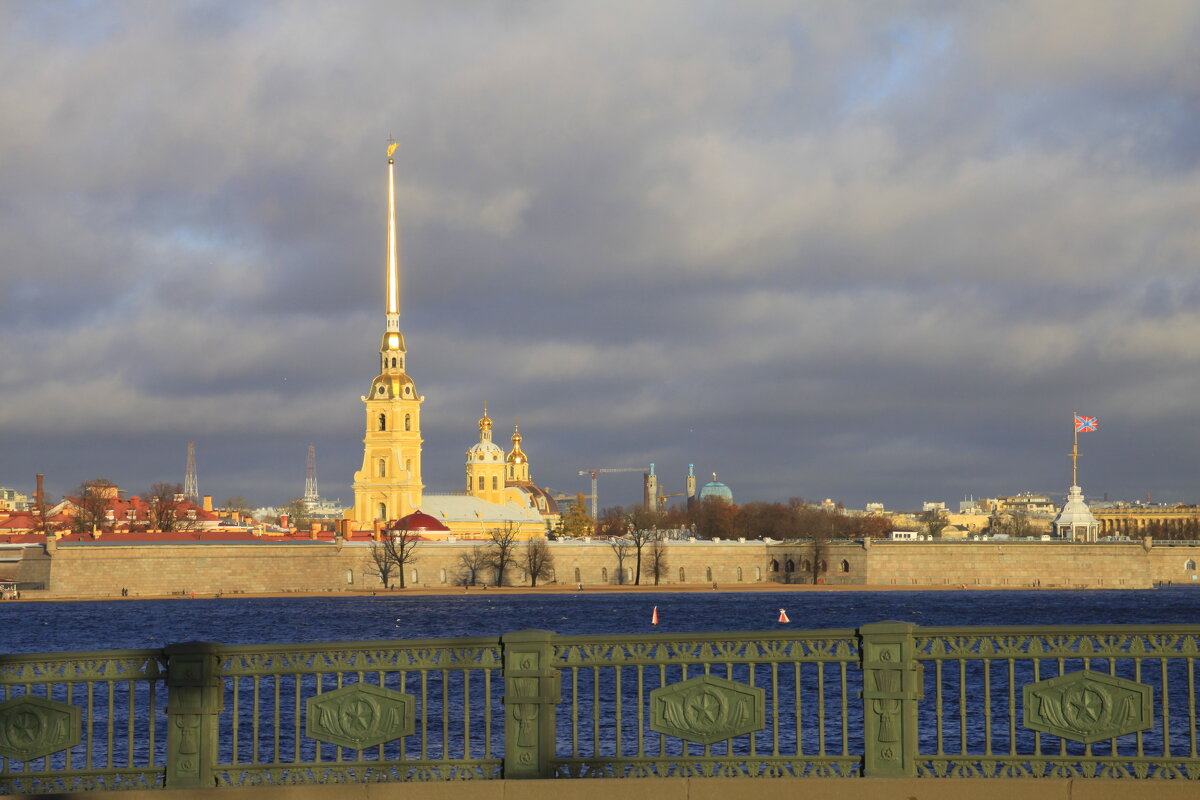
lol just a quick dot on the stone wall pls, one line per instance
(103, 570)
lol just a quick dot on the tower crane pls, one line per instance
(595, 473)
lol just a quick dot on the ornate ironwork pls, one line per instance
(32, 727)
(1088, 706)
(707, 709)
(360, 716)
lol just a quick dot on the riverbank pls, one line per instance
(553, 589)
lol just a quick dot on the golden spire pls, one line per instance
(393, 259)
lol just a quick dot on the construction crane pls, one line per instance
(595, 473)
(663, 498)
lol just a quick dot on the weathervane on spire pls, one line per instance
(392, 145)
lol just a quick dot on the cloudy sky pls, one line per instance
(873, 252)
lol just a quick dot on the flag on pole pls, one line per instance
(1085, 424)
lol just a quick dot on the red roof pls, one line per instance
(417, 521)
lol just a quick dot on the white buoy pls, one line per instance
(783, 617)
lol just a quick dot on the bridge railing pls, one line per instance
(888, 699)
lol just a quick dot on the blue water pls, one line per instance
(45, 627)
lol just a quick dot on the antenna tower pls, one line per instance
(191, 490)
(310, 485)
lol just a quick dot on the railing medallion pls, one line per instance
(707, 709)
(361, 715)
(32, 727)
(1088, 706)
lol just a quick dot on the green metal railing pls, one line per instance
(889, 699)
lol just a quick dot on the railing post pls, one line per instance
(531, 690)
(194, 699)
(891, 688)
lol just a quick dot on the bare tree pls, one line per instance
(379, 562)
(537, 561)
(622, 549)
(399, 546)
(167, 509)
(656, 563)
(91, 500)
(502, 551)
(644, 525)
(470, 565)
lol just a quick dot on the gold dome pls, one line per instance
(516, 456)
(485, 422)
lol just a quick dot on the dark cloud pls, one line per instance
(823, 251)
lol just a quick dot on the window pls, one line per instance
(383, 422)
(682, 575)
(349, 576)
(442, 575)
(774, 565)
(577, 578)
(481, 483)
(604, 574)
(790, 566)
(845, 567)
(408, 422)
(758, 573)
(414, 577)
(495, 483)
(708, 573)
(739, 573)
(408, 465)
(393, 362)
(382, 468)
(1190, 566)
(382, 511)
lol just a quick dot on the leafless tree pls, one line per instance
(168, 510)
(622, 548)
(656, 563)
(379, 562)
(537, 561)
(398, 547)
(644, 525)
(502, 551)
(470, 565)
(91, 500)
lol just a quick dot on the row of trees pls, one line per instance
(717, 519)
(495, 560)
(165, 508)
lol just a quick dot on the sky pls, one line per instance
(872, 252)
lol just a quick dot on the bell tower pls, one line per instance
(389, 484)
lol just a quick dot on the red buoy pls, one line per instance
(654, 616)
(783, 617)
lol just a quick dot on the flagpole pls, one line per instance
(1075, 450)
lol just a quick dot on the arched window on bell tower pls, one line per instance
(383, 422)
(408, 422)
(383, 468)
(382, 511)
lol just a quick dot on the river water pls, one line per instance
(45, 627)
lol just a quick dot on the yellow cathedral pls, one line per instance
(499, 490)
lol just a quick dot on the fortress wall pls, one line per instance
(1043, 564)
(103, 570)
(1169, 564)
